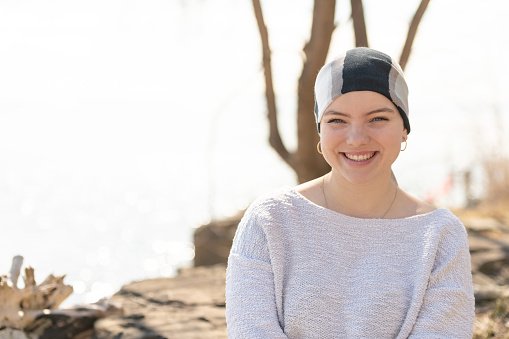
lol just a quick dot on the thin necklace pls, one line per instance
(383, 216)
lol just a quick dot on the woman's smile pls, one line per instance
(359, 157)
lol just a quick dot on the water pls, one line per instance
(124, 125)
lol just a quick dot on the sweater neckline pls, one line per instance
(299, 196)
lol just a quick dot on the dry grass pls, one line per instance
(493, 323)
(496, 171)
(495, 201)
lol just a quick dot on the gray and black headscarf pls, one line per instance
(361, 69)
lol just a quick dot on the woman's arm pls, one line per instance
(448, 309)
(250, 299)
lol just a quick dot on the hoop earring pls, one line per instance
(404, 147)
(319, 148)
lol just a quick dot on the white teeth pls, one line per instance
(360, 157)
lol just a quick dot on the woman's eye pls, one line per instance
(379, 119)
(336, 121)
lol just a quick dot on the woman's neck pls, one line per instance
(364, 200)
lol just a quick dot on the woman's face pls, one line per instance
(361, 134)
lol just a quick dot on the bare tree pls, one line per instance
(359, 25)
(305, 160)
(412, 31)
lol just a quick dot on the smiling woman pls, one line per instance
(350, 254)
(362, 143)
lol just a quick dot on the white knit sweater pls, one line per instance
(298, 270)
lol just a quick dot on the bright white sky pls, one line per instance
(80, 68)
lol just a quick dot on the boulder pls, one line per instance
(190, 305)
(212, 242)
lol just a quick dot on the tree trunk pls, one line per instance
(359, 25)
(412, 31)
(311, 164)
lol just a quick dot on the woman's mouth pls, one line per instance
(359, 157)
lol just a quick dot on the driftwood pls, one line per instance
(31, 312)
(21, 306)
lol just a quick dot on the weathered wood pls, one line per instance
(17, 262)
(20, 307)
(11, 314)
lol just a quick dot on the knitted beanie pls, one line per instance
(361, 69)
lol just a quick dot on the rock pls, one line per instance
(77, 322)
(488, 261)
(213, 241)
(490, 266)
(190, 305)
(480, 243)
(480, 224)
(485, 293)
(9, 333)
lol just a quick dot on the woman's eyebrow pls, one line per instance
(378, 110)
(336, 113)
(381, 110)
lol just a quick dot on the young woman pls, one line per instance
(350, 254)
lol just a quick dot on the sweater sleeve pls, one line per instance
(448, 309)
(250, 298)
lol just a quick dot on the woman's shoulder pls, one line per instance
(284, 200)
(310, 190)
(272, 200)
(441, 217)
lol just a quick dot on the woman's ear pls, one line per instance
(404, 137)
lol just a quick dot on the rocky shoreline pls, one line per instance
(489, 246)
(189, 306)
(192, 304)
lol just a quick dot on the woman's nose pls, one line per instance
(357, 136)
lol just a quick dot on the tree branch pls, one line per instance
(412, 31)
(359, 25)
(274, 135)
